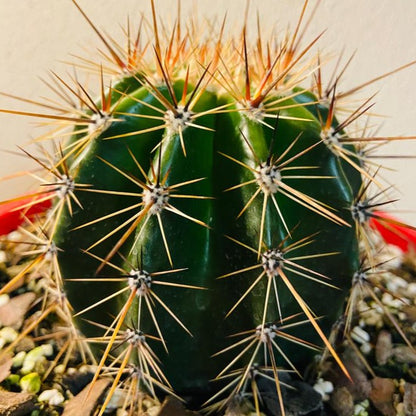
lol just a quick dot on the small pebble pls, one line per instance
(359, 335)
(25, 344)
(371, 315)
(13, 379)
(8, 334)
(400, 409)
(342, 402)
(33, 357)
(324, 388)
(14, 236)
(47, 349)
(3, 256)
(13, 312)
(391, 301)
(394, 283)
(360, 409)
(404, 354)
(384, 347)
(59, 369)
(4, 299)
(382, 395)
(409, 399)
(87, 369)
(30, 383)
(411, 291)
(18, 359)
(53, 397)
(366, 348)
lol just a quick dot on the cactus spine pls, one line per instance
(205, 195)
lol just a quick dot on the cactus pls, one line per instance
(207, 212)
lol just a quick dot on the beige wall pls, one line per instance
(35, 35)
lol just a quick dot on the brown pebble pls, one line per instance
(342, 402)
(173, 407)
(13, 312)
(384, 347)
(410, 311)
(409, 399)
(404, 354)
(16, 404)
(360, 386)
(25, 344)
(86, 402)
(381, 395)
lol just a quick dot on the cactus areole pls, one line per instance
(205, 223)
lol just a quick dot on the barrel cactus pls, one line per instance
(207, 212)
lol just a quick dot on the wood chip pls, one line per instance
(6, 363)
(13, 312)
(381, 395)
(86, 402)
(16, 404)
(409, 399)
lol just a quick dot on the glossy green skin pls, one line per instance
(208, 254)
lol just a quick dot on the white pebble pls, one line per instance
(18, 359)
(8, 334)
(366, 348)
(47, 349)
(411, 291)
(3, 256)
(53, 397)
(402, 316)
(359, 335)
(32, 357)
(360, 409)
(28, 366)
(14, 236)
(117, 399)
(59, 369)
(371, 317)
(84, 369)
(4, 299)
(324, 388)
(395, 282)
(71, 370)
(391, 301)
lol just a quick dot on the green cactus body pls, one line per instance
(226, 152)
